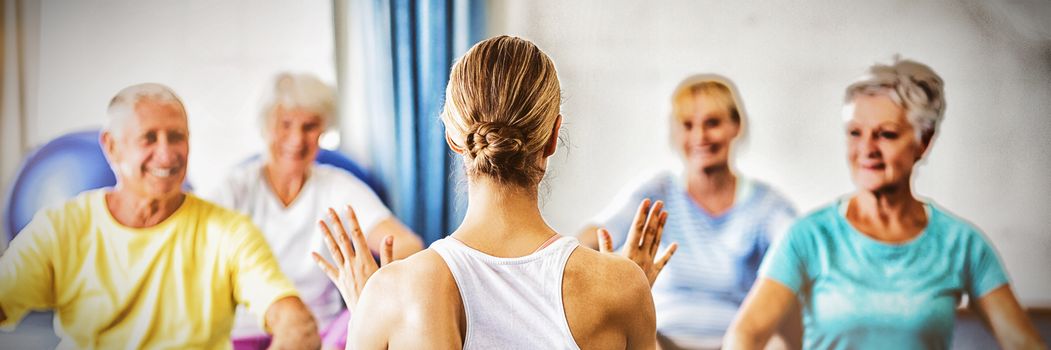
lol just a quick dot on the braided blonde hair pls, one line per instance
(501, 104)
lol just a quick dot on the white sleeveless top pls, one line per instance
(511, 303)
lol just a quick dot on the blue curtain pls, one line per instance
(425, 37)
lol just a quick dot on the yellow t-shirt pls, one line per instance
(173, 285)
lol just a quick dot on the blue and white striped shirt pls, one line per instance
(701, 288)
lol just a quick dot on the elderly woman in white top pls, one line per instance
(286, 193)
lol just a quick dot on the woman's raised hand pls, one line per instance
(643, 240)
(353, 262)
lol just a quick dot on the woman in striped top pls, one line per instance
(723, 222)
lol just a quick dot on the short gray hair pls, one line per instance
(912, 85)
(300, 91)
(122, 105)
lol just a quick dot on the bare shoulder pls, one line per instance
(605, 275)
(607, 300)
(415, 281)
(409, 301)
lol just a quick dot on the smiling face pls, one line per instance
(882, 147)
(293, 137)
(149, 150)
(704, 131)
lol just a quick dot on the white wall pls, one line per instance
(619, 60)
(218, 56)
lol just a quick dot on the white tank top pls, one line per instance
(511, 303)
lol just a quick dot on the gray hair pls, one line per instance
(300, 91)
(122, 106)
(912, 85)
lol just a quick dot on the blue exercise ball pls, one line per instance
(56, 172)
(337, 159)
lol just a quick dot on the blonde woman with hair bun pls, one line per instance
(504, 279)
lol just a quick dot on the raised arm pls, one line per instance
(291, 325)
(1006, 319)
(761, 315)
(352, 264)
(643, 240)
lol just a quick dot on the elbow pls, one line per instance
(302, 336)
(292, 325)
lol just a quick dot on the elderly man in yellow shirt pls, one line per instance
(144, 264)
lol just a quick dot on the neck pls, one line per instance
(502, 220)
(886, 205)
(711, 181)
(138, 212)
(713, 189)
(892, 215)
(286, 184)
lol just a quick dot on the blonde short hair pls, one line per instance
(718, 88)
(501, 105)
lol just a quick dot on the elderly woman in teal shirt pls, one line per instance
(881, 268)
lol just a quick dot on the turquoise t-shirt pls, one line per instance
(859, 293)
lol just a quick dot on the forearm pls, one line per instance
(291, 325)
(405, 241)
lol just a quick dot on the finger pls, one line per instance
(663, 260)
(356, 236)
(387, 253)
(635, 234)
(660, 232)
(330, 242)
(605, 243)
(650, 231)
(330, 270)
(341, 238)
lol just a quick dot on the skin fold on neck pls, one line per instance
(133, 211)
(891, 215)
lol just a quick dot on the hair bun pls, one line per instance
(495, 143)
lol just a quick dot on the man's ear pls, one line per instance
(552, 142)
(108, 143)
